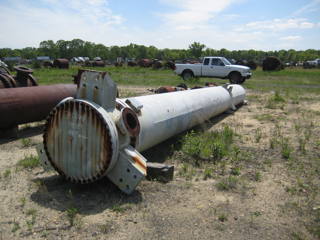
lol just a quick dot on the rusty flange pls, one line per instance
(23, 70)
(24, 77)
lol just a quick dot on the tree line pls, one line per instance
(78, 47)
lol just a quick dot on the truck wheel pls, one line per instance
(187, 75)
(235, 78)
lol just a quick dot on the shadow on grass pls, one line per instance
(13, 135)
(56, 193)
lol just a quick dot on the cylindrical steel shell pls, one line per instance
(165, 115)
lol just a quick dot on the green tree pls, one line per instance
(76, 47)
(63, 49)
(29, 53)
(196, 49)
(48, 48)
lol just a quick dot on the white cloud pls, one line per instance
(229, 17)
(278, 25)
(95, 11)
(189, 20)
(27, 25)
(291, 38)
(313, 6)
(199, 5)
(190, 14)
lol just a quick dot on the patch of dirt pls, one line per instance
(38, 204)
(314, 107)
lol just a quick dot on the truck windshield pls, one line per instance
(225, 61)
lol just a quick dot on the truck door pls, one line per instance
(207, 68)
(218, 67)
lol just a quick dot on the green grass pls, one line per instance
(26, 142)
(71, 215)
(265, 117)
(257, 176)
(286, 149)
(7, 173)
(33, 214)
(187, 171)
(15, 227)
(229, 183)
(258, 135)
(22, 201)
(236, 171)
(121, 75)
(29, 162)
(223, 217)
(297, 80)
(120, 208)
(208, 173)
(276, 101)
(210, 146)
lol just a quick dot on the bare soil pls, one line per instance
(275, 198)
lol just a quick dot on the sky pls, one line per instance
(231, 24)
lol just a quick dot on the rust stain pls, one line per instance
(139, 162)
(96, 94)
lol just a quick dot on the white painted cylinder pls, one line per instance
(93, 135)
(165, 115)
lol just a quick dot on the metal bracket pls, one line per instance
(129, 170)
(98, 88)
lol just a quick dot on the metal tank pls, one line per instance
(96, 135)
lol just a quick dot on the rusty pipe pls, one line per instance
(30, 104)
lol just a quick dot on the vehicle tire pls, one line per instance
(243, 80)
(235, 78)
(187, 75)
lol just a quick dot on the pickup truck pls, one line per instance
(218, 67)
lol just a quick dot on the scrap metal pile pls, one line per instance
(23, 78)
(95, 134)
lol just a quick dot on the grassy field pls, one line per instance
(296, 79)
(248, 174)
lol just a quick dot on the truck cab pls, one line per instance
(214, 67)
